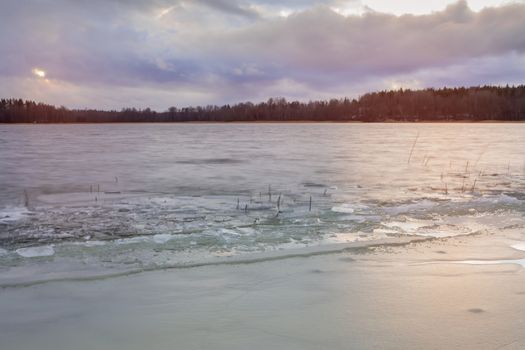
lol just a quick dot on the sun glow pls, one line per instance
(285, 13)
(39, 72)
(165, 11)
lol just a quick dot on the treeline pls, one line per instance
(446, 104)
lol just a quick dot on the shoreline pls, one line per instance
(290, 122)
(242, 259)
(387, 297)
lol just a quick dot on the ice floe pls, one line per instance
(33, 252)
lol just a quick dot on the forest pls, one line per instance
(480, 103)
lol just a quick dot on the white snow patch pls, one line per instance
(162, 238)
(33, 252)
(519, 246)
(10, 214)
(384, 231)
(347, 208)
(407, 226)
(491, 262)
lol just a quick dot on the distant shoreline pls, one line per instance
(486, 104)
(292, 122)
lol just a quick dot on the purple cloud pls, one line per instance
(220, 52)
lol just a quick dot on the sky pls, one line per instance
(110, 54)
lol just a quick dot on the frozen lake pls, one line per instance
(92, 200)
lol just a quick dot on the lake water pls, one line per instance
(92, 200)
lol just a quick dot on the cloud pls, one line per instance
(231, 7)
(222, 51)
(324, 42)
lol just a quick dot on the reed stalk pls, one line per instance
(412, 149)
(27, 204)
